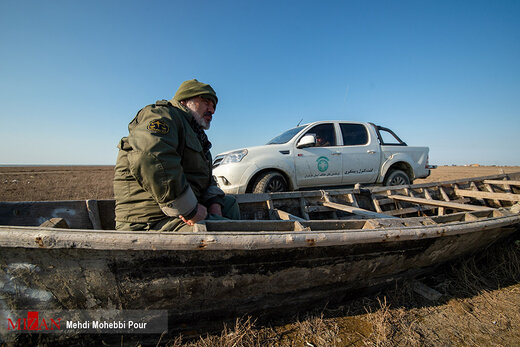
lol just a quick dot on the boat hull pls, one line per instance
(199, 288)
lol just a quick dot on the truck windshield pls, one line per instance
(286, 136)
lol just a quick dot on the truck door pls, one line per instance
(320, 165)
(360, 153)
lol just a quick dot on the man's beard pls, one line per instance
(204, 124)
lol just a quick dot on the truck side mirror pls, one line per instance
(308, 140)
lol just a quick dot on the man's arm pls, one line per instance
(156, 163)
(213, 197)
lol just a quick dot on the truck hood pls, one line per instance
(256, 149)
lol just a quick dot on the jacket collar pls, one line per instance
(187, 112)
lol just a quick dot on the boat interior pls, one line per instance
(356, 208)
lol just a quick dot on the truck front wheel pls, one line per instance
(396, 178)
(270, 182)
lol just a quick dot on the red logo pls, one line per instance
(33, 322)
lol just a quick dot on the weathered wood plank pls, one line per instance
(299, 227)
(427, 195)
(503, 182)
(222, 235)
(325, 196)
(445, 197)
(490, 189)
(286, 215)
(382, 200)
(449, 182)
(452, 205)
(444, 194)
(377, 204)
(55, 223)
(414, 209)
(353, 200)
(314, 208)
(487, 195)
(407, 210)
(93, 214)
(474, 187)
(356, 210)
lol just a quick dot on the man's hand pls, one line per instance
(201, 214)
(215, 209)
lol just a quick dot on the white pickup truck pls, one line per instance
(322, 154)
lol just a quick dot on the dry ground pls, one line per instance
(95, 182)
(444, 173)
(40, 183)
(480, 304)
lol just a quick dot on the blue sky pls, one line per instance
(443, 74)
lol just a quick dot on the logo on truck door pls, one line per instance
(323, 163)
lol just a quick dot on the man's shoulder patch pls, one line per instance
(158, 127)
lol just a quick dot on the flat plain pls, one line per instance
(38, 183)
(480, 303)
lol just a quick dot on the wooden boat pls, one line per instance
(290, 251)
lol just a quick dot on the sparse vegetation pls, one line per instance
(480, 306)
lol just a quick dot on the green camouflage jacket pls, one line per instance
(161, 169)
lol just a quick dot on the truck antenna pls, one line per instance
(299, 122)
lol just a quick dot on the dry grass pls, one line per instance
(480, 303)
(480, 306)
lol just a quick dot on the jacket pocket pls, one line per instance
(194, 162)
(193, 143)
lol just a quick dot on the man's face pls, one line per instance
(202, 110)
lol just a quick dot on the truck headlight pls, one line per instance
(234, 157)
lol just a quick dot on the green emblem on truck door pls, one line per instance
(323, 163)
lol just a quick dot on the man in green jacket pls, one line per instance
(163, 175)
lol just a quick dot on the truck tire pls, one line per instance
(396, 178)
(270, 182)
